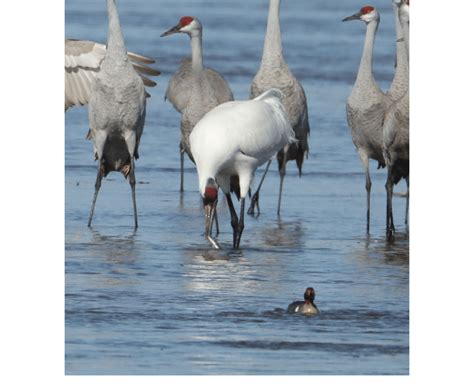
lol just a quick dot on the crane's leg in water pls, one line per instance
(390, 228)
(98, 182)
(240, 225)
(408, 199)
(254, 201)
(181, 153)
(368, 183)
(214, 219)
(132, 181)
(282, 176)
(234, 220)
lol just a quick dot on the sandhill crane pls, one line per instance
(117, 108)
(229, 143)
(82, 62)
(396, 143)
(274, 73)
(194, 89)
(367, 103)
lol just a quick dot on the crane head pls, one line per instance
(187, 24)
(367, 14)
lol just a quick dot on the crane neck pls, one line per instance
(406, 36)
(365, 68)
(272, 49)
(400, 78)
(196, 51)
(115, 43)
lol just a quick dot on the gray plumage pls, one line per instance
(400, 80)
(275, 73)
(116, 110)
(367, 104)
(396, 142)
(82, 62)
(194, 89)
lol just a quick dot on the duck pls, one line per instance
(306, 307)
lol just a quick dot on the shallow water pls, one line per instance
(158, 300)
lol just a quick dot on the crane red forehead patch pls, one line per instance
(210, 193)
(185, 20)
(366, 10)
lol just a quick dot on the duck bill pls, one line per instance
(172, 30)
(352, 17)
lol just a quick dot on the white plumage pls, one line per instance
(231, 141)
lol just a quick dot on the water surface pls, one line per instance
(158, 300)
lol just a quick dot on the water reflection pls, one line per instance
(377, 249)
(282, 233)
(120, 249)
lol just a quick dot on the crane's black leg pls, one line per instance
(234, 221)
(255, 198)
(368, 186)
(408, 200)
(240, 224)
(131, 180)
(181, 152)
(282, 176)
(390, 228)
(98, 182)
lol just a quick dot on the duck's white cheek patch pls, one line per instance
(297, 308)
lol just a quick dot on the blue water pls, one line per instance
(158, 300)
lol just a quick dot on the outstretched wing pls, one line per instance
(82, 63)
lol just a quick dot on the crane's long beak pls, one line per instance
(209, 212)
(172, 30)
(352, 17)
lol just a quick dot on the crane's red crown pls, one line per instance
(366, 10)
(210, 193)
(185, 20)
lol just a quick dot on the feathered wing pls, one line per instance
(82, 62)
(179, 85)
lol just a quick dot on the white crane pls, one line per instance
(117, 107)
(367, 103)
(274, 73)
(194, 89)
(229, 143)
(82, 62)
(396, 142)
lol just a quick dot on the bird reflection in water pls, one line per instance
(283, 234)
(376, 249)
(120, 249)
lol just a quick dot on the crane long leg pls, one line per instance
(390, 228)
(98, 182)
(408, 199)
(282, 176)
(181, 152)
(240, 225)
(254, 201)
(236, 223)
(131, 180)
(368, 183)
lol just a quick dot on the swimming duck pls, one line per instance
(306, 307)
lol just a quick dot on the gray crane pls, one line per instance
(194, 89)
(117, 106)
(367, 103)
(396, 143)
(82, 62)
(275, 73)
